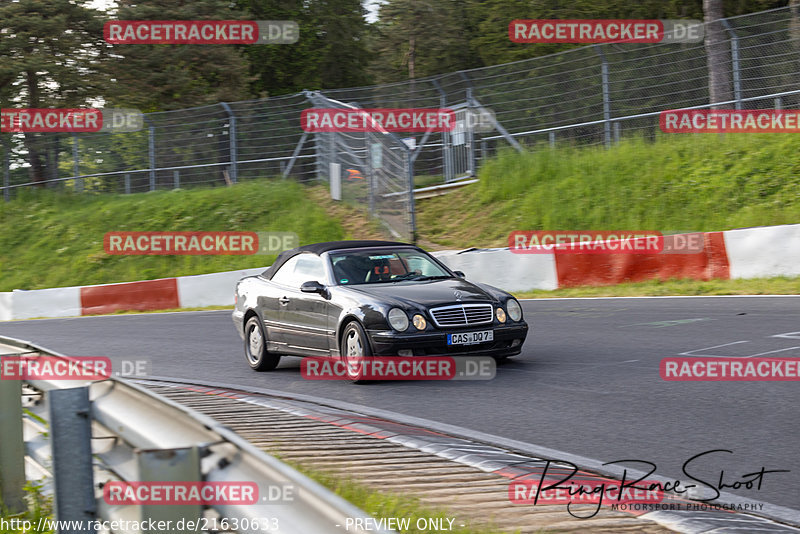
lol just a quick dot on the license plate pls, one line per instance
(470, 338)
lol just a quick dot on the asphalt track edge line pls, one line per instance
(773, 512)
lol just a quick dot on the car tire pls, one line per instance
(255, 347)
(354, 347)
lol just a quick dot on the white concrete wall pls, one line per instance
(503, 268)
(56, 302)
(6, 306)
(763, 252)
(215, 289)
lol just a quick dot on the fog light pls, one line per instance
(419, 322)
(515, 342)
(405, 352)
(501, 315)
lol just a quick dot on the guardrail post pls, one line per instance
(176, 179)
(737, 82)
(778, 103)
(7, 172)
(73, 472)
(76, 164)
(170, 465)
(127, 184)
(606, 95)
(552, 138)
(12, 446)
(616, 132)
(232, 140)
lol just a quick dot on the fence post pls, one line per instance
(76, 164)
(12, 446)
(737, 82)
(616, 132)
(232, 140)
(127, 184)
(606, 96)
(778, 103)
(6, 172)
(552, 138)
(412, 215)
(288, 168)
(176, 179)
(447, 156)
(151, 152)
(73, 470)
(468, 127)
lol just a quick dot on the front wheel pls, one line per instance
(255, 347)
(355, 350)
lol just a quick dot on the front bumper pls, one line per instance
(389, 342)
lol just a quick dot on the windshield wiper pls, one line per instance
(427, 277)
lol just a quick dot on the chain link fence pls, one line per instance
(587, 95)
(373, 168)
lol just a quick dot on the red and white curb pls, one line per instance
(747, 253)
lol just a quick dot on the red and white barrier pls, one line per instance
(747, 253)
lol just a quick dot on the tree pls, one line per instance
(418, 38)
(51, 55)
(331, 52)
(167, 77)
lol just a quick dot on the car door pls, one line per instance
(305, 315)
(272, 309)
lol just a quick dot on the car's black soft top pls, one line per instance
(319, 248)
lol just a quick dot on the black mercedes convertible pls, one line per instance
(357, 299)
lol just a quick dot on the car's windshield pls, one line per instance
(383, 266)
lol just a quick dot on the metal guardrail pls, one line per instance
(83, 435)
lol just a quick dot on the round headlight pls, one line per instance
(419, 322)
(514, 310)
(398, 319)
(501, 315)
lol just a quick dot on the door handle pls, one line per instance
(284, 300)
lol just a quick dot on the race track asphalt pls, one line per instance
(587, 382)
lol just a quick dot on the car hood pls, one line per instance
(426, 293)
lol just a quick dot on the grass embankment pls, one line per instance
(701, 182)
(697, 182)
(56, 239)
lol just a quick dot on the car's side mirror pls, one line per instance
(460, 274)
(314, 287)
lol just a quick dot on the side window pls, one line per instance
(285, 275)
(309, 268)
(299, 269)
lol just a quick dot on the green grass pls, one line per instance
(39, 507)
(56, 239)
(758, 286)
(694, 182)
